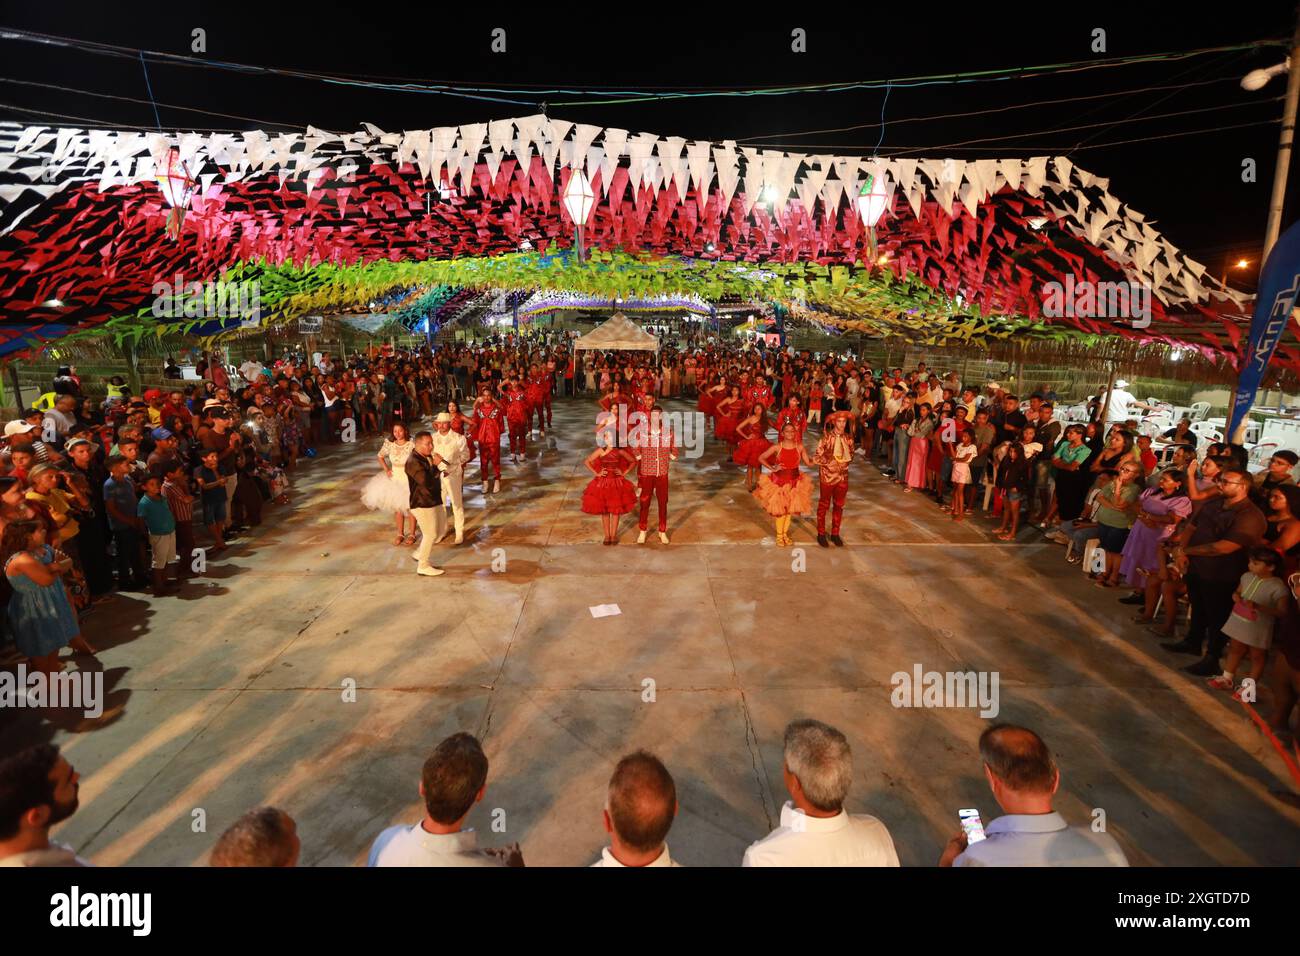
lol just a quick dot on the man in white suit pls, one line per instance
(452, 455)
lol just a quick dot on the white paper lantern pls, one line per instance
(872, 200)
(578, 197)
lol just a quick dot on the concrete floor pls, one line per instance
(231, 692)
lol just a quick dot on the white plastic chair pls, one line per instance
(1199, 410)
(1260, 454)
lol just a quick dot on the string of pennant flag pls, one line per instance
(85, 217)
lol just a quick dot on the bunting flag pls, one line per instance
(83, 223)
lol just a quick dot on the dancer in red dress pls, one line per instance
(517, 417)
(609, 494)
(833, 457)
(752, 432)
(539, 400)
(786, 492)
(462, 424)
(488, 419)
(729, 411)
(705, 403)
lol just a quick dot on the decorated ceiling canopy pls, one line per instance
(962, 252)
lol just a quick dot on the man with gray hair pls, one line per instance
(1024, 778)
(815, 828)
(639, 812)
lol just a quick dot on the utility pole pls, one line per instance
(1284, 145)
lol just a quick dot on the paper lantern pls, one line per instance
(177, 187)
(872, 200)
(578, 197)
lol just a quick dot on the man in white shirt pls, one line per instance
(1121, 404)
(1024, 778)
(815, 829)
(453, 780)
(639, 812)
(451, 452)
(38, 788)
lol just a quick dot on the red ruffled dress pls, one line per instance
(726, 425)
(705, 403)
(609, 493)
(788, 491)
(750, 448)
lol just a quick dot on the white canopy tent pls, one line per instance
(618, 333)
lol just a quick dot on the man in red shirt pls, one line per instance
(487, 419)
(518, 417)
(653, 446)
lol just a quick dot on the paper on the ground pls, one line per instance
(605, 610)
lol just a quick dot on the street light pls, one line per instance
(1239, 264)
(1255, 80)
(578, 202)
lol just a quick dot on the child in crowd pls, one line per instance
(161, 528)
(176, 490)
(124, 522)
(962, 456)
(1260, 598)
(1013, 481)
(212, 493)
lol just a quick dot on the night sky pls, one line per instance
(1191, 186)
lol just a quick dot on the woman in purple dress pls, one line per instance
(1160, 509)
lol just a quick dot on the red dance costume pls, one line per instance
(487, 432)
(788, 491)
(753, 442)
(726, 426)
(539, 401)
(706, 403)
(609, 493)
(517, 419)
(789, 416)
(459, 423)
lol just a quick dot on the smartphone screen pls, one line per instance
(971, 825)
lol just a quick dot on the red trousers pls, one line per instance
(489, 457)
(831, 495)
(656, 485)
(519, 438)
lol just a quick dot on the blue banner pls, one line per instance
(1279, 281)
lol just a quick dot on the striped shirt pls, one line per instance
(179, 500)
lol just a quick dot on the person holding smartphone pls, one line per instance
(1024, 779)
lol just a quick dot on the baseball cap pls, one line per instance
(18, 427)
(77, 441)
(161, 434)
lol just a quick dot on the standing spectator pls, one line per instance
(38, 789)
(263, 836)
(1024, 778)
(1278, 473)
(1210, 551)
(454, 778)
(156, 515)
(40, 615)
(1260, 599)
(86, 470)
(120, 502)
(639, 811)
(212, 495)
(815, 828)
(175, 489)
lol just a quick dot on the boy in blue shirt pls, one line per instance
(156, 514)
(124, 522)
(212, 493)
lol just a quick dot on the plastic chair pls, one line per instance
(1198, 411)
(1260, 454)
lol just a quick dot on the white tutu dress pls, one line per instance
(382, 493)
